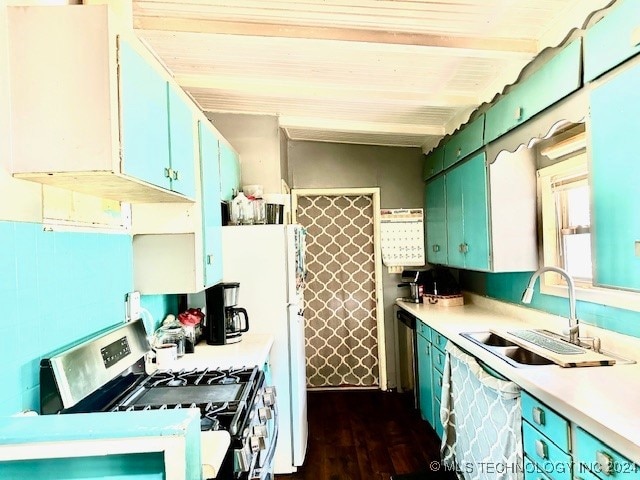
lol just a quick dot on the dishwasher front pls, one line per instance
(406, 348)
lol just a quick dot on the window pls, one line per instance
(566, 219)
(564, 202)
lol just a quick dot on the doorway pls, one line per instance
(344, 316)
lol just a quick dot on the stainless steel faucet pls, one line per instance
(573, 320)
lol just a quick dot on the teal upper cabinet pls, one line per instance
(483, 217)
(556, 79)
(615, 170)
(467, 215)
(181, 145)
(433, 163)
(96, 101)
(464, 142)
(436, 221)
(211, 213)
(145, 119)
(612, 40)
(229, 172)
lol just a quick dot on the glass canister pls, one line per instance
(168, 334)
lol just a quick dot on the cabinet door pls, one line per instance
(211, 213)
(229, 172)
(436, 221)
(467, 217)
(144, 119)
(615, 170)
(181, 145)
(551, 82)
(475, 216)
(466, 141)
(433, 163)
(425, 392)
(612, 40)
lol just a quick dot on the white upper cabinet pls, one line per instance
(91, 108)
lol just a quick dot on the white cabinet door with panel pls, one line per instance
(88, 105)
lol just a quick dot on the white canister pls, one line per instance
(166, 355)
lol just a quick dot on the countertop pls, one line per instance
(252, 350)
(602, 400)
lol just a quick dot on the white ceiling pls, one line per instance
(380, 72)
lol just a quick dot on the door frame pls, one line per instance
(374, 193)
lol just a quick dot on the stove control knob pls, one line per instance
(269, 398)
(243, 458)
(264, 414)
(261, 431)
(257, 443)
(271, 390)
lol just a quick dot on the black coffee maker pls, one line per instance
(225, 322)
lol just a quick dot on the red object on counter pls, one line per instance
(192, 316)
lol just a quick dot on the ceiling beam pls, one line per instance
(353, 126)
(254, 29)
(308, 90)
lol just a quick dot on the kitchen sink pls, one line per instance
(561, 352)
(507, 350)
(489, 338)
(525, 357)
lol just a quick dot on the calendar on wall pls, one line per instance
(402, 237)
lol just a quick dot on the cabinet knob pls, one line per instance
(541, 449)
(518, 113)
(167, 172)
(458, 152)
(175, 175)
(209, 259)
(436, 248)
(605, 462)
(463, 248)
(538, 415)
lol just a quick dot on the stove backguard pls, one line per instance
(70, 375)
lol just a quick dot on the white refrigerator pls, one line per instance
(268, 261)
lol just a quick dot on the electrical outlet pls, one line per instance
(134, 309)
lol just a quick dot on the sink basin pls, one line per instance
(526, 357)
(489, 338)
(505, 349)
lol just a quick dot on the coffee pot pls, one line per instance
(237, 322)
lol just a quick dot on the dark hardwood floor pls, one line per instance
(365, 435)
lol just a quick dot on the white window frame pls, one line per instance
(552, 283)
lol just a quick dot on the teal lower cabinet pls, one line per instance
(556, 449)
(614, 177)
(425, 389)
(430, 370)
(595, 460)
(545, 436)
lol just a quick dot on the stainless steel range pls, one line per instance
(106, 373)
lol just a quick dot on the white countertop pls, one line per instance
(602, 400)
(252, 350)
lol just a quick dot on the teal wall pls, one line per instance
(509, 287)
(55, 288)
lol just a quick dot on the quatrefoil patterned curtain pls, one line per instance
(340, 308)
